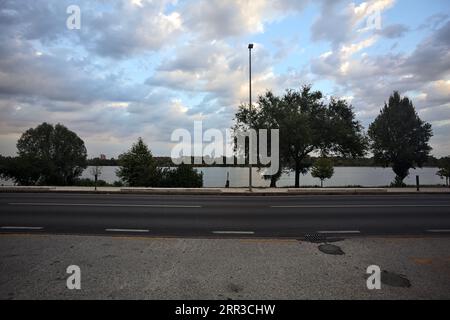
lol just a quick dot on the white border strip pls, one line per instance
(128, 230)
(233, 232)
(339, 231)
(100, 205)
(21, 228)
(365, 206)
(439, 230)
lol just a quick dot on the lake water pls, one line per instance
(343, 176)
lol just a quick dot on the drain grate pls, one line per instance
(315, 237)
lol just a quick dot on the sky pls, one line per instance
(144, 68)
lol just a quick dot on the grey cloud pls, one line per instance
(436, 113)
(194, 56)
(55, 78)
(431, 59)
(130, 30)
(394, 31)
(434, 21)
(33, 20)
(440, 141)
(214, 19)
(56, 75)
(113, 29)
(334, 23)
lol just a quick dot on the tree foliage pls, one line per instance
(322, 169)
(267, 116)
(183, 176)
(307, 125)
(138, 168)
(20, 170)
(400, 138)
(444, 169)
(47, 155)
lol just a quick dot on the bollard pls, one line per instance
(227, 184)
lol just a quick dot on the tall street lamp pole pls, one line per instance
(250, 47)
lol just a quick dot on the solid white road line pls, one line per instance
(366, 206)
(127, 230)
(100, 205)
(21, 228)
(438, 230)
(233, 232)
(339, 231)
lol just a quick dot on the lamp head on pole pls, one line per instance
(250, 46)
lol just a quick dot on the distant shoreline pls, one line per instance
(432, 162)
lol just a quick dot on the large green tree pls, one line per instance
(268, 115)
(307, 125)
(47, 155)
(400, 138)
(138, 168)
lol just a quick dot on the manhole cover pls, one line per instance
(331, 249)
(394, 280)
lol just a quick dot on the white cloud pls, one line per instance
(218, 70)
(218, 19)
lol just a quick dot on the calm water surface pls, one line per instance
(343, 176)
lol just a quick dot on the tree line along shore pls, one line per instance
(315, 135)
(163, 161)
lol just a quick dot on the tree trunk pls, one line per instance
(297, 176)
(321, 183)
(401, 170)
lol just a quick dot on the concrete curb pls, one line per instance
(169, 191)
(339, 191)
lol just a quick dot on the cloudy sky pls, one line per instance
(147, 67)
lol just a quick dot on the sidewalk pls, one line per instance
(228, 191)
(34, 267)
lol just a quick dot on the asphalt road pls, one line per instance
(230, 216)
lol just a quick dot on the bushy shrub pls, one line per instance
(183, 176)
